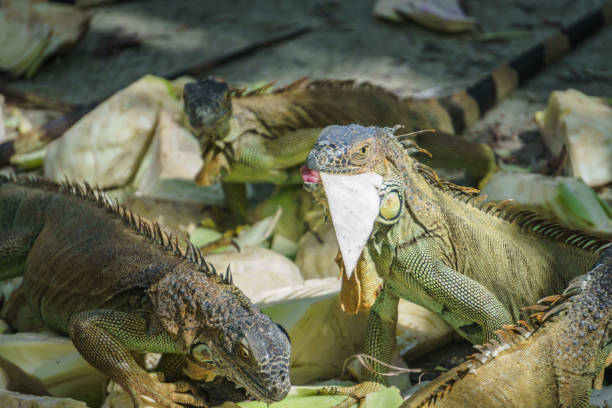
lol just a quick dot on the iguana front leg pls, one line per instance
(379, 344)
(105, 338)
(380, 339)
(415, 272)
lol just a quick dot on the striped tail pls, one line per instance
(469, 105)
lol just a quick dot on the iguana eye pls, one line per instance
(359, 156)
(244, 352)
(201, 352)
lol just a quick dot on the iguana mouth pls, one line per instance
(309, 175)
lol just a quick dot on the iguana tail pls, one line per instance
(308, 103)
(467, 106)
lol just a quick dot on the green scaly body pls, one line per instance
(117, 284)
(476, 265)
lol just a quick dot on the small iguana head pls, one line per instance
(350, 150)
(208, 106)
(254, 352)
(219, 328)
(359, 170)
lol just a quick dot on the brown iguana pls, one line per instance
(551, 366)
(116, 284)
(433, 242)
(255, 135)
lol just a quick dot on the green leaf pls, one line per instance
(202, 236)
(29, 161)
(604, 206)
(314, 401)
(259, 232)
(307, 397)
(388, 398)
(574, 205)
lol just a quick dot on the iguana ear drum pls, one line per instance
(391, 206)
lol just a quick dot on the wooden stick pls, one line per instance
(33, 101)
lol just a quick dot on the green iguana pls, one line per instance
(116, 284)
(254, 136)
(433, 242)
(551, 366)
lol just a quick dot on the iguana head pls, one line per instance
(208, 106)
(254, 352)
(359, 170)
(219, 328)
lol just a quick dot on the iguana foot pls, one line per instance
(216, 165)
(355, 393)
(170, 395)
(199, 371)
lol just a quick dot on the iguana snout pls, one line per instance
(345, 150)
(310, 176)
(208, 106)
(244, 344)
(256, 356)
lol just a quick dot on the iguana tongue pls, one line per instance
(310, 175)
(353, 206)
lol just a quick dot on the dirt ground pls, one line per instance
(345, 41)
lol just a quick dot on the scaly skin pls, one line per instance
(432, 243)
(550, 367)
(268, 133)
(255, 136)
(116, 283)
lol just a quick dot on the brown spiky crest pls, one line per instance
(507, 210)
(314, 84)
(508, 336)
(259, 90)
(148, 229)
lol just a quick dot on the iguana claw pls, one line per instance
(356, 393)
(170, 395)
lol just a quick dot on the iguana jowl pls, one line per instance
(548, 367)
(432, 242)
(116, 283)
(254, 136)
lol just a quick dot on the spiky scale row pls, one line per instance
(508, 336)
(589, 292)
(150, 230)
(507, 210)
(337, 84)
